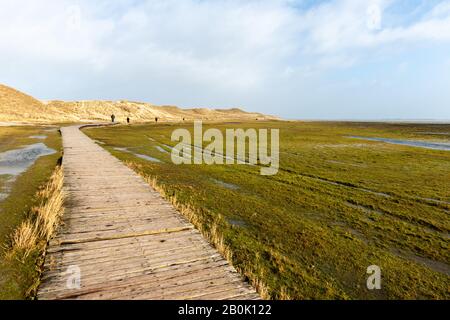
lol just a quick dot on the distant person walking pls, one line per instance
(113, 118)
(128, 120)
(156, 119)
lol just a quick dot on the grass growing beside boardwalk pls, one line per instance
(337, 206)
(25, 255)
(25, 194)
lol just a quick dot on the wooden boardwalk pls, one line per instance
(125, 241)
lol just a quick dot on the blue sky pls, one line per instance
(299, 59)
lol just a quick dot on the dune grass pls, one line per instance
(337, 206)
(22, 223)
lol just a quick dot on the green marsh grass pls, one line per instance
(19, 271)
(337, 206)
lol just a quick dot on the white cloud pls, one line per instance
(221, 42)
(441, 10)
(374, 16)
(220, 46)
(239, 40)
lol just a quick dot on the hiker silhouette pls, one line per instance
(113, 118)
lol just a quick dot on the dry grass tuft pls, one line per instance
(24, 239)
(50, 211)
(34, 233)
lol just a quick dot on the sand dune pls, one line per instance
(16, 106)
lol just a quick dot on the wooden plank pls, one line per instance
(154, 277)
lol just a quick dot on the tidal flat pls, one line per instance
(337, 206)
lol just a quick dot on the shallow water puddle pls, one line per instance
(187, 148)
(346, 163)
(225, 185)
(15, 162)
(146, 157)
(38, 137)
(434, 200)
(434, 265)
(340, 184)
(160, 149)
(5, 186)
(237, 222)
(412, 143)
(141, 156)
(364, 209)
(347, 229)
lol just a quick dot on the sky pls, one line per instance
(298, 59)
